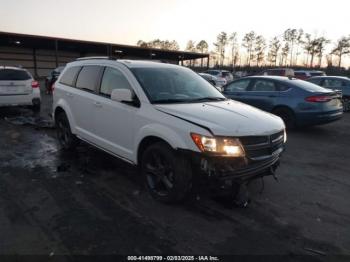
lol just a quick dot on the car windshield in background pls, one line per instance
(13, 75)
(316, 73)
(175, 85)
(213, 73)
(309, 86)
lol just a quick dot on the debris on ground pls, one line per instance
(241, 196)
(31, 121)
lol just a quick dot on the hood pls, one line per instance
(226, 118)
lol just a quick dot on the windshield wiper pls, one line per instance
(209, 98)
(169, 101)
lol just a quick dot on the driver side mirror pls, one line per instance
(122, 95)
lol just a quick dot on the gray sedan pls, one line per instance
(335, 83)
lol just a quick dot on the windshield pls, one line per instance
(175, 85)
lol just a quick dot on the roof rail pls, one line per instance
(96, 58)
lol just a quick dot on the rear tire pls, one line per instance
(65, 136)
(287, 116)
(167, 175)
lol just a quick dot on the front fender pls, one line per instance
(160, 131)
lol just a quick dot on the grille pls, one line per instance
(262, 147)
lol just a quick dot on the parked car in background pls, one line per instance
(52, 77)
(18, 88)
(289, 72)
(297, 102)
(335, 83)
(305, 74)
(168, 120)
(223, 76)
(212, 80)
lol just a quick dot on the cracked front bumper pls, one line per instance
(224, 168)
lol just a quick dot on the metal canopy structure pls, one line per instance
(84, 47)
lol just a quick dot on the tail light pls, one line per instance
(35, 84)
(53, 87)
(318, 99)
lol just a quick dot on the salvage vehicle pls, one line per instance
(305, 74)
(336, 83)
(222, 76)
(212, 80)
(167, 120)
(18, 88)
(297, 102)
(289, 72)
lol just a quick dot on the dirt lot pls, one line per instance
(88, 202)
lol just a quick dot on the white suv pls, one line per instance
(18, 88)
(167, 120)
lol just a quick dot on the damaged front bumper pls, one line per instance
(223, 168)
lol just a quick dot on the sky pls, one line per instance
(127, 21)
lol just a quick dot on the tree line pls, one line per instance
(293, 47)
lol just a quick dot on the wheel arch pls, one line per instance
(63, 108)
(146, 142)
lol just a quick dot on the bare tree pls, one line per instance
(274, 48)
(299, 42)
(233, 41)
(220, 45)
(322, 42)
(290, 36)
(260, 46)
(248, 43)
(284, 54)
(342, 48)
(160, 44)
(202, 46)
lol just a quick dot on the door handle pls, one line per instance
(272, 96)
(69, 94)
(97, 104)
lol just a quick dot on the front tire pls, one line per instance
(168, 176)
(64, 134)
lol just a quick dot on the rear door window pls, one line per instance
(113, 79)
(14, 75)
(238, 86)
(88, 78)
(332, 83)
(69, 76)
(263, 86)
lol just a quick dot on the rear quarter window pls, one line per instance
(315, 81)
(307, 86)
(69, 76)
(14, 75)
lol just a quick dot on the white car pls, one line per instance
(223, 76)
(18, 88)
(167, 120)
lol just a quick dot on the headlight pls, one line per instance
(227, 146)
(285, 136)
